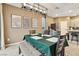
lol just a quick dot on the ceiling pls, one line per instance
(62, 9)
(58, 9)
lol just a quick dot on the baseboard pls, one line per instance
(11, 44)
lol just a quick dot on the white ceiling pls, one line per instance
(64, 9)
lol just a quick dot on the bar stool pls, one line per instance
(74, 34)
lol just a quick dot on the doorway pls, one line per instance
(63, 27)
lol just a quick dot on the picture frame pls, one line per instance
(26, 22)
(15, 21)
(34, 22)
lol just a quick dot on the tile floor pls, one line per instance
(71, 50)
(10, 51)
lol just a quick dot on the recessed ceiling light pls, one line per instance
(24, 4)
(31, 7)
(40, 10)
(56, 15)
(70, 11)
(36, 8)
(44, 11)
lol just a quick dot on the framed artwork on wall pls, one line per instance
(34, 22)
(15, 21)
(26, 22)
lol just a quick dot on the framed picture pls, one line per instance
(26, 22)
(16, 21)
(34, 22)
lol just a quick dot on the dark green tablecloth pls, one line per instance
(45, 47)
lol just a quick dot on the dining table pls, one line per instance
(43, 44)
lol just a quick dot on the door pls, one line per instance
(63, 27)
(43, 23)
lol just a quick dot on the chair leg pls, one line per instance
(63, 52)
(68, 36)
(77, 40)
(72, 38)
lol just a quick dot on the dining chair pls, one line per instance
(60, 46)
(26, 49)
(46, 32)
(32, 31)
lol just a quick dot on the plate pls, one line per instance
(47, 35)
(53, 39)
(36, 37)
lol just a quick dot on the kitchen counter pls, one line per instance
(70, 31)
(73, 30)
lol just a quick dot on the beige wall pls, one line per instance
(49, 21)
(74, 21)
(0, 8)
(71, 21)
(0, 26)
(59, 19)
(15, 35)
